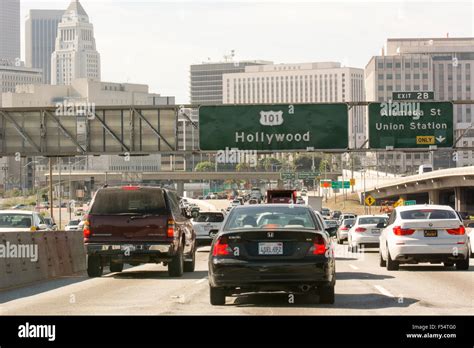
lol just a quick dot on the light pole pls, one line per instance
(22, 179)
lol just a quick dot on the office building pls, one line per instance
(41, 29)
(10, 31)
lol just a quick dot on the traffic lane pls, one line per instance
(145, 289)
(363, 287)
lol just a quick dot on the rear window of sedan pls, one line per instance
(270, 217)
(15, 221)
(210, 217)
(121, 201)
(372, 220)
(428, 214)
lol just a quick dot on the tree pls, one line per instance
(304, 162)
(205, 167)
(243, 167)
(268, 163)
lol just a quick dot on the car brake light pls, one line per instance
(130, 188)
(221, 248)
(360, 229)
(86, 231)
(344, 228)
(319, 246)
(171, 229)
(457, 231)
(398, 231)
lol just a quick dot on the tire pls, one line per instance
(94, 266)
(326, 294)
(116, 267)
(391, 265)
(176, 266)
(217, 296)
(448, 264)
(463, 265)
(382, 262)
(189, 266)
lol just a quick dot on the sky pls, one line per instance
(154, 42)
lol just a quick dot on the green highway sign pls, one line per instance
(410, 202)
(404, 125)
(428, 95)
(341, 184)
(287, 176)
(308, 175)
(277, 127)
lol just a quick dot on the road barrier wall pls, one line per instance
(27, 257)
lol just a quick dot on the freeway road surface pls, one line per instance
(362, 288)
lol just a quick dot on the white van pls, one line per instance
(425, 168)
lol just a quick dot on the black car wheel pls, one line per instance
(176, 266)
(189, 266)
(448, 264)
(94, 266)
(463, 265)
(382, 262)
(217, 296)
(326, 294)
(391, 264)
(116, 267)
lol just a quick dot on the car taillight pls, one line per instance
(457, 231)
(130, 188)
(344, 228)
(360, 229)
(171, 228)
(222, 248)
(86, 231)
(398, 231)
(319, 246)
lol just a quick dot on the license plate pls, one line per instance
(127, 248)
(270, 248)
(375, 231)
(431, 233)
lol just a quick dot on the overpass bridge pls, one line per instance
(454, 187)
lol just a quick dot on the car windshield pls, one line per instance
(15, 221)
(372, 220)
(210, 217)
(428, 214)
(127, 201)
(270, 217)
(74, 222)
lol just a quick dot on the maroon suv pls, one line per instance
(136, 225)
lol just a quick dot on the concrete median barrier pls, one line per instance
(27, 257)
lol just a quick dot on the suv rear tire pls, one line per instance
(382, 262)
(391, 264)
(217, 296)
(463, 265)
(94, 266)
(326, 294)
(116, 267)
(189, 266)
(176, 266)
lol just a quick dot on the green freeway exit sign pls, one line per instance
(413, 95)
(404, 125)
(273, 127)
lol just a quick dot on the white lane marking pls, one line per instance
(353, 267)
(383, 291)
(201, 280)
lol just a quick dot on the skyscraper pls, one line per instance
(41, 29)
(75, 54)
(10, 30)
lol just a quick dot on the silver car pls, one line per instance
(343, 230)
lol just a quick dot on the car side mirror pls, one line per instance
(42, 227)
(381, 225)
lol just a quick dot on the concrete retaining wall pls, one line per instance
(26, 257)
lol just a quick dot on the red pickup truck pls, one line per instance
(281, 196)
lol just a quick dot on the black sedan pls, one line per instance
(272, 247)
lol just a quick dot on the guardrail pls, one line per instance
(27, 257)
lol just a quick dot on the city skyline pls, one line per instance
(265, 31)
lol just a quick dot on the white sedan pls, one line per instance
(366, 231)
(424, 233)
(470, 233)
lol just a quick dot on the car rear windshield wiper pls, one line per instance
(144, 216)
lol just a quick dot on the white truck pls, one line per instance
(315, 202)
